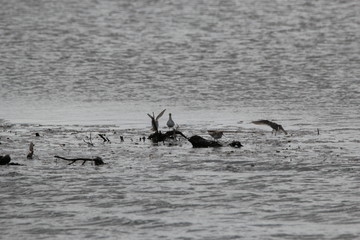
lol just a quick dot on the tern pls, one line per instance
(276, 127)
(155, 121)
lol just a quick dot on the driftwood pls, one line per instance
(200, 142)
(97, 160)
(196, 141)
(89, 142)
(106, 139)
(5, 160)
(161, 137)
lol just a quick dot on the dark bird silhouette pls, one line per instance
(170, 123)
(276, 127)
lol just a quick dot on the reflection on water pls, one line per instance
(213, 64)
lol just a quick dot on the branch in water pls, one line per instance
(104, 137)
(97, 160)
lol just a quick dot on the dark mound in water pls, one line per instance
(236, 144)
(196, 141)
(98, 161)
(199, 142)
(4, 160)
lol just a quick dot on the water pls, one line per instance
(74, 68)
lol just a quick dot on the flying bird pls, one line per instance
(276, 127)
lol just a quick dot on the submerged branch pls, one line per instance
(104, 138)
(97, 160)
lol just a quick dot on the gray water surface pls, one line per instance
(73, 68)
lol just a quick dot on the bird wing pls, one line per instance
(261, 122)
(160, 114)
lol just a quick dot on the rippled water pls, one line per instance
(71, 68)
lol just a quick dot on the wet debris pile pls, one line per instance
(156, 137)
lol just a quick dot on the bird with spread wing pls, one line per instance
(155, 121)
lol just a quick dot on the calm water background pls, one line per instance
(69, 68)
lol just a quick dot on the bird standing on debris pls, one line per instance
(170, 123)
(31, 151)
(155, 121)
(276, 127)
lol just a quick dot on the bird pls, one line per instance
(216, 134)
(155, 121)
(276, 127)
(31, 151)
(170, 123)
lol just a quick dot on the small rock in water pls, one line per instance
(5, 160)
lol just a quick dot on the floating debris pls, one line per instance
(200, 142)
(4, 160)
(97, 160)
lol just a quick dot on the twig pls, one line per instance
(97, 160)
(90, 143)
(104, 138)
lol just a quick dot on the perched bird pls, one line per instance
(155, 121)
(216, 134)
(31, 151)
(170, 123)
(276, 127)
